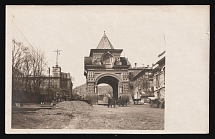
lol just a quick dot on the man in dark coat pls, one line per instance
(41, 98)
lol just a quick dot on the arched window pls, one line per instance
(108, 60)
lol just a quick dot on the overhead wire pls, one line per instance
(22, 33)
(32, 48)
(24, 36)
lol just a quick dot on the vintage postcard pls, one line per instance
(107, 69)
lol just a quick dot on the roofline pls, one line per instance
(105, 36)
(159, 61)
(161, 53)
(95, 66)
(104, 50)
(103, 66)
(43, 77)
(144, 70)
(136, 68)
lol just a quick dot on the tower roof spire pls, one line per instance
(105, 43)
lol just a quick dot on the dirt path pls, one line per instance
(138, 117)
(131, 117)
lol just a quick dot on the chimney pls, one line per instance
(135, 65)
(147, 66)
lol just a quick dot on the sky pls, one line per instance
(142, 32)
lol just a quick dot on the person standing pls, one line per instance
(41, 98)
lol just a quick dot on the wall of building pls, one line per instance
(159, 80)
(59, 82)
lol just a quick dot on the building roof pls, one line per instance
(136, 68)
(105, 43)
(142, 72)
(162, 60)
(162, 54)
(157, 65)
(104, 51)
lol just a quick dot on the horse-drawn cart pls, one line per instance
(122, 101)
(156, 103)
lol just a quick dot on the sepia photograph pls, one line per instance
(102, 69)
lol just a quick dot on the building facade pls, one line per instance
(105, 65)
(141, 84)
(53, 85)
(158, 70)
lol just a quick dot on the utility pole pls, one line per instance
(57, 56)
(49, 82)
(71, 89)
(26, 84)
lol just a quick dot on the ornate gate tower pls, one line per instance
(105, 65)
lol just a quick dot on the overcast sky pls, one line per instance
(142, 32)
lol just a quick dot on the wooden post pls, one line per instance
(49, 84)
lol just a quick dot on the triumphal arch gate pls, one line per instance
(105, 65)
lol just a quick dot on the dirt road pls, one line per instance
(133, 117)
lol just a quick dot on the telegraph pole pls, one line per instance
(57, 56)
(71, 85)
(49, 82)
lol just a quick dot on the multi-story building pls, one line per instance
(158, 70)
(61, 81)
(141, 84)
(134, 71)
(56, 84)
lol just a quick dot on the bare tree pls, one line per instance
(28, 66)
(17, 63)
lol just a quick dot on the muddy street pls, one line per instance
(79, 115)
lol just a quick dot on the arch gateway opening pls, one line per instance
(105, 65)
(113, 82)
